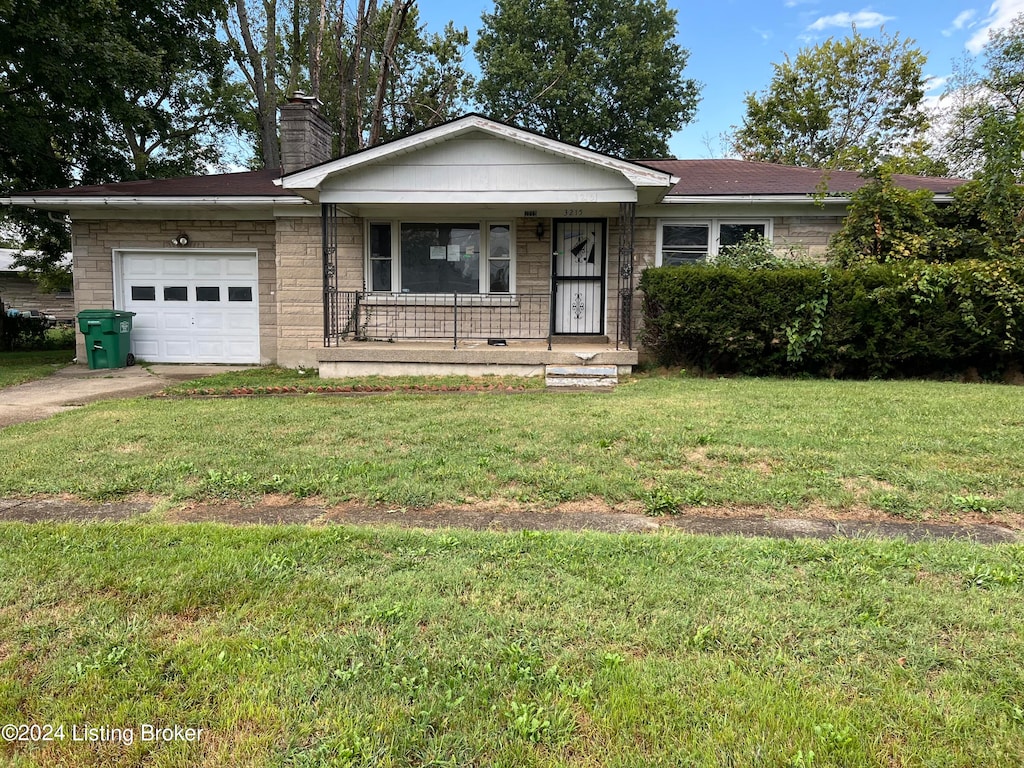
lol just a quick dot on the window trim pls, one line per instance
(483, 287)
(714, 226)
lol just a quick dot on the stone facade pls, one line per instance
(806, 236)
(306, 136)
(95, 241)
(291, 272)
(300, 292)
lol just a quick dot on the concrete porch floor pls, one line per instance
(470, 358)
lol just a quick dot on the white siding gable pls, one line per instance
(478, 168)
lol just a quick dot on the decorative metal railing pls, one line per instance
(366, 316)
(627, 224)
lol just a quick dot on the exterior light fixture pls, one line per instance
(540, 230)
(181, 240)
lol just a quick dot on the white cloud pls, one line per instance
(1000, 15)
(961, 21)
(935, 82)
(864, 19)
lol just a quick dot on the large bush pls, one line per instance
(23, 333)
(902, 319)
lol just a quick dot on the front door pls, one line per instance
(577, 277)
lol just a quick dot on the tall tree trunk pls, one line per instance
(317, 31)
(399, 12)
(295, 50)
(259, 69)
(361, 53)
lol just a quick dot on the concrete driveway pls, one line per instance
(76, 385)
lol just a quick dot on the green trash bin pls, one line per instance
(108, 337)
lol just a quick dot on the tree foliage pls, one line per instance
(986, 133)
(93, 92)
(888, 223)
(376, 70)
(845, 104)
(604, 74)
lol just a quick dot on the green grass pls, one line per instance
(358, 647)
(909, 448)
(272, 379)
(20, 367)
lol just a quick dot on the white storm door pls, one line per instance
(577, 276)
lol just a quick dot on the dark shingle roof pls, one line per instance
(696, 178)
(742, 177)
(245, 184)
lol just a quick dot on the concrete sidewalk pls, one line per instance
(76, 385)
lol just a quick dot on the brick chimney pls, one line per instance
(305, 134)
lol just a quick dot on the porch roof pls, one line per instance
(476, 160)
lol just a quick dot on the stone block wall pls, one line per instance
(94, 243)
(300, 293)
(805, 236)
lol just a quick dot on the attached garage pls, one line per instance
(191, 306)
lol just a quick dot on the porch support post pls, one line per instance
(455, 320)
(627, 227)
(329, 239)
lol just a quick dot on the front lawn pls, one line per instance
(907, 448)
(20, 367)
(357, 647)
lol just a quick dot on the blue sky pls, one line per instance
(733, 43)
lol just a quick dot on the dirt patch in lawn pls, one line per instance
(502, 515)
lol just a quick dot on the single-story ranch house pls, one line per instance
(473, 246)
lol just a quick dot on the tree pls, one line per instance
(376, 71)
(98, 92)
(430, 85)
(604, 74)
(847, 104)
(254, 51)
(986, 133)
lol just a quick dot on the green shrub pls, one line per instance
(903, 319)
(22, 333)
(29, 334)
(755, 251)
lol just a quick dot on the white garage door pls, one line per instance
(192, 308)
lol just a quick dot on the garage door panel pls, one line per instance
(241, 268)
(240, 322)
(172, 267)
(179, 349)
(210, 348)
(209, 268)
(139, 268)
(145, 349)
(209, 321)
(174, 321)
(189, 329)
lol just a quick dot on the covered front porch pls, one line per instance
(475, 248)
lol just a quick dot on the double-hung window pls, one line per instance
(691, 241)
(440, 258)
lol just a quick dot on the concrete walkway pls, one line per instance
(75, 386)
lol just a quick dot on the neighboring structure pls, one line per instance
(469, 245)
(18, 290)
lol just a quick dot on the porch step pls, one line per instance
(570, 339)
(581, 376)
